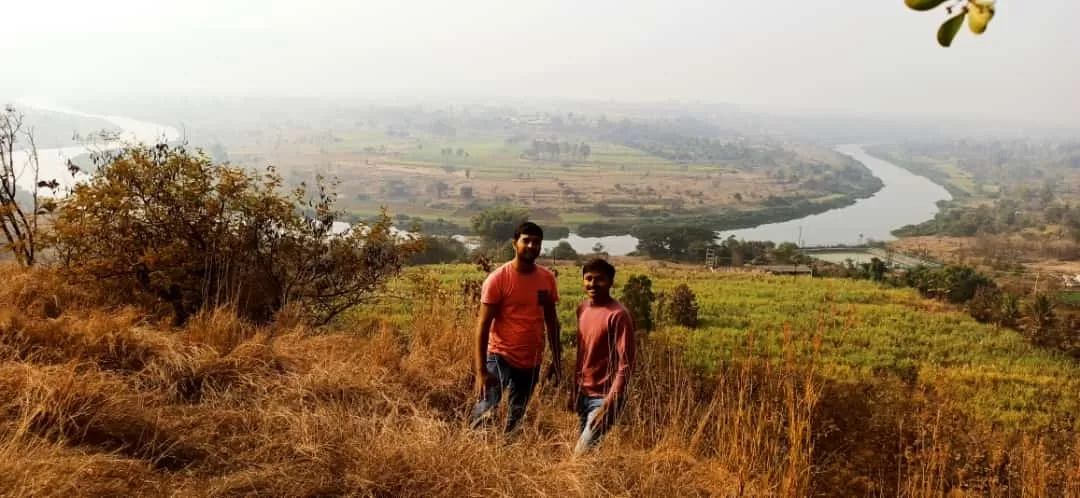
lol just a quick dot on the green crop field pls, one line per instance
(863, 330)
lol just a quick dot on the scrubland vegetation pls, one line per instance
(259, 353)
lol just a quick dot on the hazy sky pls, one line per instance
(866, 56)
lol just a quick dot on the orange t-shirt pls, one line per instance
(517, 333)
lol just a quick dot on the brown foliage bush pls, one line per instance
(164, 222)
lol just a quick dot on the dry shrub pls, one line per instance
(111, 341)
(220, 329)
(41, 293)
(243, 373)
(86, 408)
(44, 469)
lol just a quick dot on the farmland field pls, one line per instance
(863, 330)
(568, 170)
(411, 176)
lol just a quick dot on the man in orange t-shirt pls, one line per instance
(517, 303)
(605, 356)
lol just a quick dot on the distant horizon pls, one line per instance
(981, 124)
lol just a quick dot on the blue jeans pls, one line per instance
(521, 382)
(586, 408)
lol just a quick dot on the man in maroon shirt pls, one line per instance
(605, 355)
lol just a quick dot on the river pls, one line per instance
(905, 199)
(52, 163)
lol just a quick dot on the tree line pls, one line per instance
(1003, 216)
(555, 150)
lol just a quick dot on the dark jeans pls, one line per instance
(586, 408)
(521, 382)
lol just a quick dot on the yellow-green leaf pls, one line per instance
(979, 16)
(923, 4)
(948, 30)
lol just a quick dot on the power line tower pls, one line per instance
(710, 258)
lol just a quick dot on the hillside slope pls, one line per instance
(791, 387)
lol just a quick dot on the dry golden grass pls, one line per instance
(99, 402)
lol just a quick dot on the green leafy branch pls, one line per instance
(977, 12)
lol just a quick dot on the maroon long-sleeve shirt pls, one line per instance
(605, 348)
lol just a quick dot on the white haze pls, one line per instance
(849, 56)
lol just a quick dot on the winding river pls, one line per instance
(905, 199)
(52, 163)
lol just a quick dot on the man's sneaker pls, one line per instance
(485, 418)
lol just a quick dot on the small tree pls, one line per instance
(877, 269)
(1040, 319)
(1010, 311)
(986, 306)
(160, 221)
(440, 250)
(638, 297)
(498, 224)
(785, 253)
(564, 251)
(683, 309)
(20, 210)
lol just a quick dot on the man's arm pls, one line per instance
(571, 402)
(625, 349)
(554, 331)
(483, 332)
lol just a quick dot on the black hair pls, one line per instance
(528, 228)
(599, 265)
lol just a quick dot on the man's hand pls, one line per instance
(601, 414)
(554, 375)
(484, 380)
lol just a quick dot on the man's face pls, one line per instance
(527, 247)
(597, 285)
